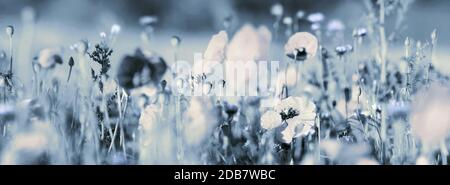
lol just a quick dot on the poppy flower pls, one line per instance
(216, 47)
(139, 69)
(249, 44)
(48, 58)
(293, 116)
(301, 46)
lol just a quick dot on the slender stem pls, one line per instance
(10, 55)
(178, 114)
(70, 72)
(383, 42)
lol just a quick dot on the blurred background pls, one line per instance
(200, 15)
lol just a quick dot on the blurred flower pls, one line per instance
(316, 17)
(367, 161)
(115, 29)
(315, 27)
(110, 86)
(331, 148)
(341, 50)
(81, 46)
(335, 25)
(202, 121)
(277, 10)
(135, 71)
(300, 14)
(398, 109)
(249, 44)
(287, 20)
(9, 31)
(3, 80)
(291, 76)
(28, 14)
(38, 145)
(430, 118)
(270, 120)
(299, 43)
(148, 20)
(216, 47)
(175, 41)
(48, 58)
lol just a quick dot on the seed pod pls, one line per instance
(10, 31)
(175, 41)
(348, 94)
(407, 42)
(300, 14)
(163, 84)
(434, 35)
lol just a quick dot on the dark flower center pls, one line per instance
(289, 113)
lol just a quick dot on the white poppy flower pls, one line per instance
(270, 120)
(298, 114)
(291, 76)
(49, 57)
(302, 40)
(265, 38)
(291, 129)
(305, 107)
(216, 47)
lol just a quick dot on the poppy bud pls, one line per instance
(71, 62)
(10, 31)
(348, 94)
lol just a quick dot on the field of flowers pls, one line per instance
(306, 89)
